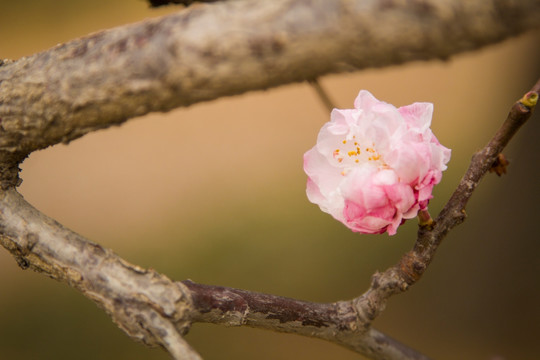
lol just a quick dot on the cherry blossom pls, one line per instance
(375, 166)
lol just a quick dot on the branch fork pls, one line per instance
(86, 84)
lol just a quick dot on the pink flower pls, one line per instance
(375, 166)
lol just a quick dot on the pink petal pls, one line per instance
(391, 162)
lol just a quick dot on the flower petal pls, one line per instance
(375, 166)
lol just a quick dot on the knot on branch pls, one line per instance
(144, 303)
(217, 301)
(411, 267)
(20, 251)
(373, 301)
(394, 280)
(146, 315)
(368, 307)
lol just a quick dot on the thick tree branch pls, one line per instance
(201, 54)
(148, 306)
(227, 48)
(153, 309)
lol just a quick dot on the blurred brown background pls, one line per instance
(216, 193)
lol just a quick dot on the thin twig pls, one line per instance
(206, 52)
(84, 85)
(151, 308)
(335, 322)
(413, 264)
(162, 306)
(322, 94)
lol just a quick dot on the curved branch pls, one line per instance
(201, 54)
(336, 322)
(153, 309)
(413, 264)
(227, 48)
(148, 306)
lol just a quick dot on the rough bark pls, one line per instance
(227, 48)
(207, 52)
(148, 306)
(151, 308)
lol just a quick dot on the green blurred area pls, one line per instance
(216, 193)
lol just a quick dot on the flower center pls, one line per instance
(352, 153)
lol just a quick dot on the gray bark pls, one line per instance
(201, 54)
(228, 48)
